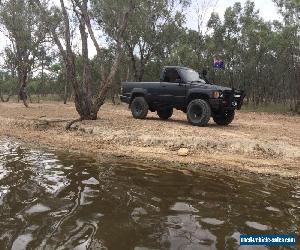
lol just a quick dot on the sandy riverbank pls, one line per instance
(255, 142)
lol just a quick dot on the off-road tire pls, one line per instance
(224, 118)
(198, 112)
(139, 107)
(165, 113)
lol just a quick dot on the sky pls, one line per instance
(267, 10)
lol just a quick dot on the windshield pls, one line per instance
(190, 75)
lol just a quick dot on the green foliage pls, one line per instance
(153, 30)
(23, 26)
(7, 84)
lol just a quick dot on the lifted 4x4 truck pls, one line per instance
(183, 89)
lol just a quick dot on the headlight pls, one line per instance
(216, 94)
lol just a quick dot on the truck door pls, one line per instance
(173, 90)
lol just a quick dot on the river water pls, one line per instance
(55, 200)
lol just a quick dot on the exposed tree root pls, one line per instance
(7, 98)
(68, 126)
(25, 103)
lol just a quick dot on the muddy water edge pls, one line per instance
(59, 200)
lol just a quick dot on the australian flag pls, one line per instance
(219, 64)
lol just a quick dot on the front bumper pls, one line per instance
(231, 100)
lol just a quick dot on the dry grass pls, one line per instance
(257, 142)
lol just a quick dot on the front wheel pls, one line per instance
(165, 113)
(139, 108)
(198, 112)
(224, 118)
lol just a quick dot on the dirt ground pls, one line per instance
(255, 142)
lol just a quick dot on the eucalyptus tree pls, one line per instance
(153, 28)
(110, 13)
(290, 10)
(253, 43)
(26, 34)
(243, 40)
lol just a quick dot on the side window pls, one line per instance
(171, 75)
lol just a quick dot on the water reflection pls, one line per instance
(59, 201)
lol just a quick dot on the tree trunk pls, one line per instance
(65, 93)
(133, 63)
(42, 82)
(142, 71)
(85, 107)
(66, 89)
(297, 108)
(22, 79)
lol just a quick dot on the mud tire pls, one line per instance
(139, 107)
(198, 112)
(165, 113)
(225, 118)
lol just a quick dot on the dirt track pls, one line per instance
(256, 142)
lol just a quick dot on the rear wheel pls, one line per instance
(139, 108)
(198, 112)
(224, 118)
(165, 113)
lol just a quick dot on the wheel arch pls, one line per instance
(193, 96)
(137, 93)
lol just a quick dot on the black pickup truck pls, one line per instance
(183, 89)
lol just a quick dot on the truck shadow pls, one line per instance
(171, 120)
(185, 122)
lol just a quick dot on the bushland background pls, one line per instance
(48, 54)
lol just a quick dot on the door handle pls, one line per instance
(164, 86)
